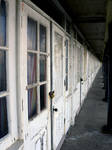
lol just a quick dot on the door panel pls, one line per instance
(58, 85)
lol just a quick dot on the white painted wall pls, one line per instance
(35, 135)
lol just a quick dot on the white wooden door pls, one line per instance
(35, 77)
(58, 85)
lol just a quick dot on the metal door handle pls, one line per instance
(55, 109)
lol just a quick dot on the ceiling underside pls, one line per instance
(90, 18)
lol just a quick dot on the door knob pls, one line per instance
(81, 79)
(55, 109)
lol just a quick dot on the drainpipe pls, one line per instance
(51, 84)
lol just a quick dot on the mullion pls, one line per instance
(38, 88)
(4, 94)
(31, 86)
(42, 53)
(4, 48)
(32, 51)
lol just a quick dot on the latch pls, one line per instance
(81, 80)
(51, 94)
(55, 109)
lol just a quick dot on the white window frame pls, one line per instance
(10, 49)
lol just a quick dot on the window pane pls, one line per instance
(67, 48)
(42, 68)
(32, 34)
(32, 68)
(66, 82)
(3, 117)
(2, 24)
(42, 38)
(66, 65)
(58, 65)
(32, 102)
(2, 71)
(42, 97)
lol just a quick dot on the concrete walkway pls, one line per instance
(85, 134)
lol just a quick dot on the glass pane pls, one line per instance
(42, 68)
(42, 97)
(32, 68)
(58, 65)
(2, 24)
(32, 102)
(67, 48)
(66, 65)
(66, 82)
(2, 71)
(42, 38)
(32, 34)
(3, 117)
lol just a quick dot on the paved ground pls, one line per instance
(86, 135)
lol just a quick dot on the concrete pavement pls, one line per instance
(85, 134)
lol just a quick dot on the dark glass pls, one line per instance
(66, 65)
(32, 34)
(3, 117)
(66, 82)
(32, 68)
(42, 68)
(42, 38)
(42, 97)
(32, 102)
(2, 23)
(2, 71)
(66, 48)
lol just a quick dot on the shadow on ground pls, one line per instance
(85, 134)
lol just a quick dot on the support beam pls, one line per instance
(91, 19)
(58, 5)
(108, 39)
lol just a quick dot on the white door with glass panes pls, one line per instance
(35, 77)
(58, 85)
(8, 103)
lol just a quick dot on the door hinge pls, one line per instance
(21, 21)
(64, 120)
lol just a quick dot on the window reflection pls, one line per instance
(32, 34)
(42, 97)
(2, 70)
(32, 102)
(42, 38)
(42, 68)
(3, 117)
(32, 68)
(2, 24)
